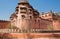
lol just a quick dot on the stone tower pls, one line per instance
(22, 15)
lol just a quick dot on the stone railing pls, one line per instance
(9, 31)
(31, 31)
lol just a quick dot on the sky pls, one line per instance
(7, 7)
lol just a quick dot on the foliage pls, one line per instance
(50, 27)
(12, 27)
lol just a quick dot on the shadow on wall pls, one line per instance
(6, 36)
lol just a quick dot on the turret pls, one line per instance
(22, 15)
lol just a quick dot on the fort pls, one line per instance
(31, 24)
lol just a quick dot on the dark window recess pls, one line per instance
(23, 16)
(45, 15)
(35, 15)
(17, 9)
(42, 16)
(30, 10)
(38, 20)
(35, 20)
(30, 17)
(23, 4)
(22, 12)
(23, 8)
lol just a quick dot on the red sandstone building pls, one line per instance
(31, 24)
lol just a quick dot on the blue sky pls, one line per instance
(7, 7)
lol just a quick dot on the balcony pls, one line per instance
(23, 9)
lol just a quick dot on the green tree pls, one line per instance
(50, 27)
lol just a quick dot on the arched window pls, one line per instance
(23, 16)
